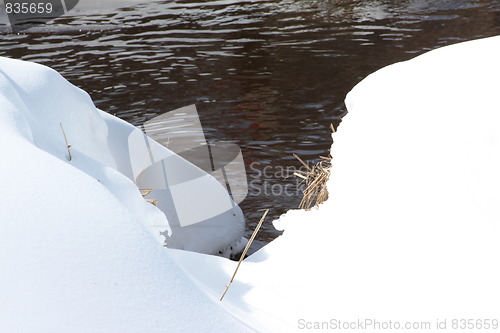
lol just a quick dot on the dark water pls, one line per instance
(269, 76)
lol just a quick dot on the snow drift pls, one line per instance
(76, 252)
(409, 234)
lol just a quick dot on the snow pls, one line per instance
(217, 228)
(409, 234)
(76, 254)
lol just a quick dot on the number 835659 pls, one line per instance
(28, 8)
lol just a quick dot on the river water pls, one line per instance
(270, 76)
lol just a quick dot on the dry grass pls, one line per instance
(315, 179)
(68, 146)
(145, 192)
(243, 254)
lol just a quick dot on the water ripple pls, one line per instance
(268, 75)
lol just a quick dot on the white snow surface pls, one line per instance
(75, 252)
(409, 234)
(411, 230)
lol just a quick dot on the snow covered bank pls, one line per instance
(410, 232)
(76, 249)
(409, 235)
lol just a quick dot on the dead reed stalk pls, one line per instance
(245, 252)
(145, 192)
(68, 146)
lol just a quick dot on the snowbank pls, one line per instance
(177, 185)
(410, 232)
(409, 235)
(75, 252)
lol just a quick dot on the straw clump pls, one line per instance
(315, 178)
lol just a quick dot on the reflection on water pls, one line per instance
(269, 76)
